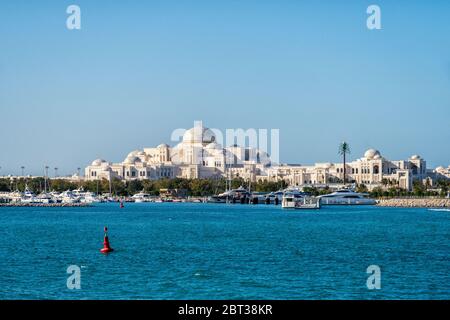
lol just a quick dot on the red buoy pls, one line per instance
(106, 247)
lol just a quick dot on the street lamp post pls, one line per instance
(45, 178)
(56, 172)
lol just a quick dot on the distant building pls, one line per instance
(371, 170)
(198, 155)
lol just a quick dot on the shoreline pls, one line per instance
(45, 205)
(415, 203)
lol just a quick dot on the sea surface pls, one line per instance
(215, 251)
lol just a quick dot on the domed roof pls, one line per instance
(371, 153)
(132, 159)
(440, 168)
(133, 153)
(415, 157)
(97, 162)
(377, 157)
(162, 145)
(213, 145)
(199, 134)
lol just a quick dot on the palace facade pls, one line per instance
(198, 155)
(371, 170)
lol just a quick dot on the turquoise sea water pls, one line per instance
(211, 251)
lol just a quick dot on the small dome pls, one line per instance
(97, 162)
(162, 145)
(415, 157)
(371, 153)
(199, 134)
(440, 168)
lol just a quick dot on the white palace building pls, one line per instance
(198, 155)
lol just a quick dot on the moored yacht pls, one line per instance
(142, 197)
(28, 196)
(44, 198)
(235, 193)
(294, 199)
(69, 197)
(216, 199)
(346, 197)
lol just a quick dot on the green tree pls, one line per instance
(133, 187)
(376, 192)
(344, 149)
(362, 188)
(418, 188)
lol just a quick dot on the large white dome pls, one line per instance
(415, 157)
(199, 135)
(132, 159)
(97, 162)
(371, 153)
(213, 145)
(133, 153)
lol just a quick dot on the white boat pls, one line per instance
(298, 200)
(83, 196)
(69, 197)
(216, 199)
(142, 197)
(89, 197)
(15, 196)
(44, 198)
(28, 196)
(346, 197)
(78, 192)
(235, 193)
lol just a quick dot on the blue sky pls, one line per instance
(135, 72)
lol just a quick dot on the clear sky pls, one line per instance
(139, 69)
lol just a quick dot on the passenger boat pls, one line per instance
(142, 197)
(299, 200)
(216, 199)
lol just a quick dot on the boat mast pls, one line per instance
(110, 186)
(45, 179)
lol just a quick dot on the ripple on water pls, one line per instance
(199, 251)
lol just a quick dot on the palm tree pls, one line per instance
(344, 149)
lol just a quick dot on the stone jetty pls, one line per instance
(45, 205)
(415, 202)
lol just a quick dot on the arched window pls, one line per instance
(376, 169)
